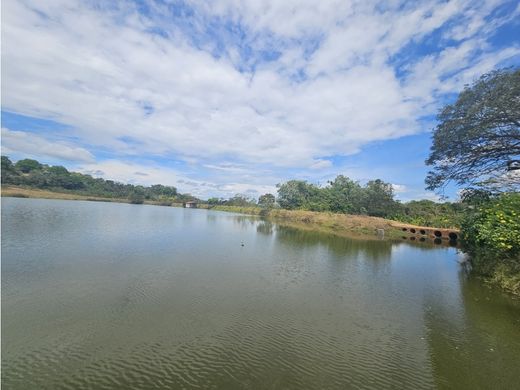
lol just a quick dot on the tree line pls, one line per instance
(347, 196)
(31, 173)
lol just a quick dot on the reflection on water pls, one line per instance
(337, 246)
(99, 295)
(471, 344)
(265, 227)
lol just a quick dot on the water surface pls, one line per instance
(117, 296)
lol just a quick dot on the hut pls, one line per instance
(190, 205)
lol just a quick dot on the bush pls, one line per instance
(491, 236)
(136, 198)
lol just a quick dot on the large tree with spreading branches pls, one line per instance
(476, 143)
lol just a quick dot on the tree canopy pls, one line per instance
(341, 195)
(31, 173)
(266, 200)
(477, 140)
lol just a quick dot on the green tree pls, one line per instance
(378, 199)
(241, 200)
(165, 191)
(27, 165)
(215, 201)
(297, 194)
(491, 235)
(58, 170)
(343, 195)
(8, 170)
(266, 201)
(7, 164)
(477, 139)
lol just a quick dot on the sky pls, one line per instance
(232, 97)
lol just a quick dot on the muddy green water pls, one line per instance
(117, 296)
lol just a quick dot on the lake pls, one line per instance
(118, 296)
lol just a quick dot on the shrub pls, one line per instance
(491, 236)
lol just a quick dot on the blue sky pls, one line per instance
(224, 97)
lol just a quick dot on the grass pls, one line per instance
(342, 224)
(250, 210)
(23, 192)
(339, 224)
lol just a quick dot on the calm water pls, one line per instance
(99, 295)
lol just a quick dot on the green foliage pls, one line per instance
(136, 197)
(31, 173)
(27, 165)
(215, 201)
(378, 199)
(491, 235)
(479, 135)
(496, 226)
(8, 170)
(7, 164)
(241, 201)
(298, 194)
(429, 213)
(266, 201)
(342, 195)
(162, 191)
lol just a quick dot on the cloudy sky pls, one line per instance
(227, 96)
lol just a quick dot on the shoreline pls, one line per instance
(35, 193)
(361, 226)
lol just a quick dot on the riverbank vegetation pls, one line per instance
(346, 196)
(30, 174)
(491, 237)
(476, 145)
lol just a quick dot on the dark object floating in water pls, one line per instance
(241, 244)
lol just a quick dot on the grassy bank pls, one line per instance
(249, 210)
(24, 192)
(340, 224)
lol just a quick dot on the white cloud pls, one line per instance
(19, 142)
(121, 88)
(149, 173)
(321, 164)
(399, 188)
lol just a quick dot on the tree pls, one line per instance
(160, 190)
(266, 201)
(297, 194)
(477, 140)
(136, 197)
(27, 165)
(343, 195)
(241, 201)
(8, 170)
(58, 170)
(7, 164)
(215, 201)
(378, 199)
